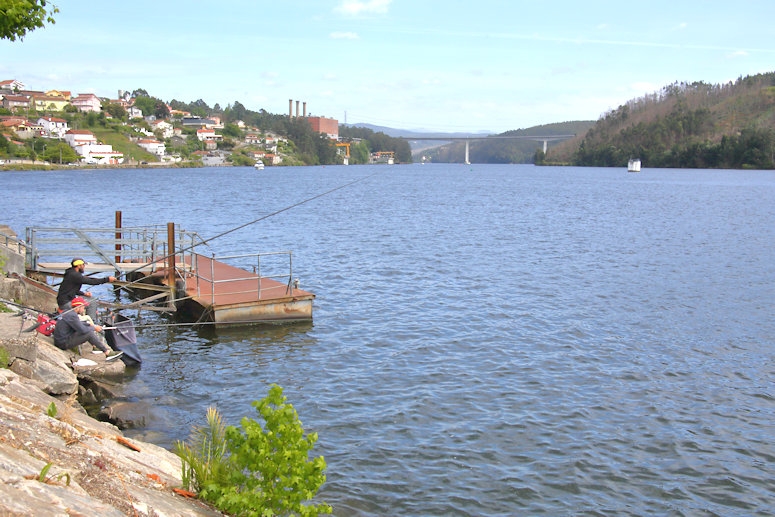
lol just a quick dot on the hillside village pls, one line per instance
(34, 115)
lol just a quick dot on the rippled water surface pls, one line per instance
(487, 340)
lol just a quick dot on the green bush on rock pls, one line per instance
(256, 470)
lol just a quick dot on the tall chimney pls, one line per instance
(297, 109)
(304, 104)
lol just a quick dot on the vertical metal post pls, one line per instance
(118, 236)
(258, 265)
(171, 261)
(212, 280)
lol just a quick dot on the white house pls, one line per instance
(12, 84)
(76, 137)
(134, 112)
(163, 126)
(153, 146)
(208, 135)
(100, 154)
(54, 127)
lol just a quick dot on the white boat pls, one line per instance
(633, 165)
(259, 165)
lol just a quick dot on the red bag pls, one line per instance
(46, 325)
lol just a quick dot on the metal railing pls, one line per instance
(254, 261)
(109, 246)
(14, 243)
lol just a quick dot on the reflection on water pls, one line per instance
(488, 340)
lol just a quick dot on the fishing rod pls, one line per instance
(245, 225)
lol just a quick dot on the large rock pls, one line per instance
(71, 464)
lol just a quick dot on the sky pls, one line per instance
(443, 66)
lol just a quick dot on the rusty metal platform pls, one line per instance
(228, 295)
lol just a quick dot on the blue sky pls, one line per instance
(445, 65)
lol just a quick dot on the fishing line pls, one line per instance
(240, 227)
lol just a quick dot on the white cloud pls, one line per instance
(736, 54)
(357, 7)
(344, 35)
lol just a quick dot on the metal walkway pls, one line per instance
(229, 290)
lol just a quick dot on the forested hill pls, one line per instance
(695, 125)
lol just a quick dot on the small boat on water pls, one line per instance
(259, 165)
(633, 165)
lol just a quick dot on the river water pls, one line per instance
(487, 339)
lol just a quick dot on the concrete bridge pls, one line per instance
(538, 138)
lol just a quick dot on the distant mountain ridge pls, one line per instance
(406, 133)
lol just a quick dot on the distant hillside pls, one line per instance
(695, 125)
(505, 151)
(404, 133)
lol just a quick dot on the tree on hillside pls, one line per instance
(116, 111)
(60, 152)
(160, 110)
(18, 17)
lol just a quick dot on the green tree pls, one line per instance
(274, 471)
(145, 104)
(61, 153)
(18, 17)
(116, 111)
(359, 153)
(232, 130)
(256, 470)
(160, 110)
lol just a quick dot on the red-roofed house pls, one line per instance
(163, 126)
(87, 102)
(54, 127)
(11, 84)
(12, 102)
(153, 146)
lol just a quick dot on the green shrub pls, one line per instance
(4, 358)
(256, 470)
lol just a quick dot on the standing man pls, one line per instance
(71, 286)
(71, 330)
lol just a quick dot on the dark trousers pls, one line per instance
(80, 338)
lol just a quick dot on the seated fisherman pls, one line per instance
(71, 330)
(72, 283)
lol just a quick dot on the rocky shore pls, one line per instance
(55, 459)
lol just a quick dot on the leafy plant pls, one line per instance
(204, 461)
(4, 358)
(256, 470)
(43, 477)
(52, 410)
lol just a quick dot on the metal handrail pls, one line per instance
(256, 270)
(11, 242)
(101, 245)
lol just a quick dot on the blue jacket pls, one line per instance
(69, 324)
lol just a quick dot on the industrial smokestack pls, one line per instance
(297, 109)
(290, 108)
(305, 108)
